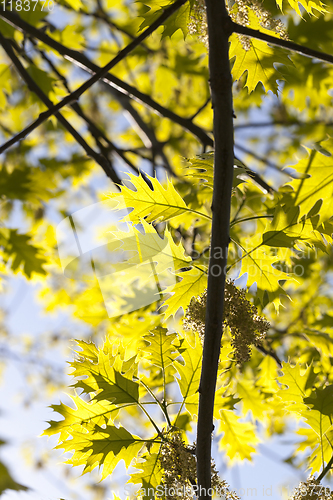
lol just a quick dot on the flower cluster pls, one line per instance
(179, 471)
(178, 463)
(246, 326)
(220, 485)
(311, 489)
(196, 314)
(198, 21)
(241, 16)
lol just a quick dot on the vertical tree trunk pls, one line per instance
(221, 91)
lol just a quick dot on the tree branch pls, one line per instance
(32, 85)
(74, 96)
(270, 353)
(279, 42)
(261, 159)
(83, 62)
(283, 123)
(96, 132)
(144, 130)
(102, 15)
(221, 91)
(326, 469)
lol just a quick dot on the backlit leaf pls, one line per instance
(157, 204)
(193, 284)
(257, 60)
(316, 187)
(239, 438)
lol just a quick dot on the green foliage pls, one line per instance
(6, 480)
(21, 253)
(135, 393)
(152, 9)
(257, 58)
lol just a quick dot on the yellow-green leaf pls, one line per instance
(309, 5)
(189, 373)
(299, 385)
(258, 264)
(22, 254)
(239, 438)
(162, 352)
(158, 203)
(257, 59)
(102, 447)
(193, 284)
(316, 186)
(149, 474)
(98, 412)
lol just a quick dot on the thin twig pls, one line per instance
(270, 353)
(201, 108)
(325, 471)
(279, 42)
(103, 17)
(32, 85)
(96, 132)
(74, 96)
(83, 62)
(260, 158)
(283, 123)
(144, 130)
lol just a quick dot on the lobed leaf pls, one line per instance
(239, 438)
(258, 59)
(298, 384)
(154, 204)
(193, 284)
(313, 193)
(189, 373)
(102, 447)
(162, 352)
(152, 9)
(22, 254)
(149, 474)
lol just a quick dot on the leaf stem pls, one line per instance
(74, 96)
(326, 469)
(254, 217)
(161, 405)
(150, 419)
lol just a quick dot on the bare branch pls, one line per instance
(270, 353)
(283, 123)
(201, 108)
(124, 88)
(261, 159)
(32, 85)
(96, 131)
(102, 15)
(83, 62)
(74, 96)
(144, 131)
